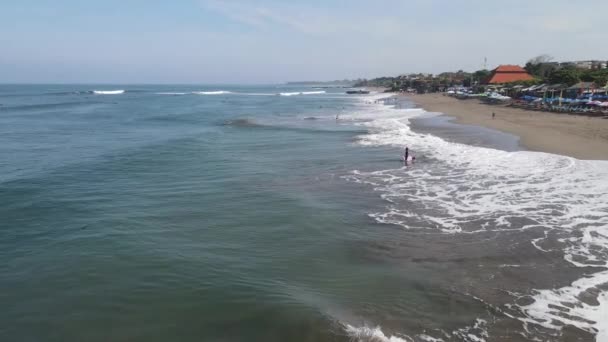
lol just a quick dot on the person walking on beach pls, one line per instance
(493, 115)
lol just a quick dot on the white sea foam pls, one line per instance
(108, 92)
(366, 334)
(215, 92)
(475, 333)
(564, 305)
(258, 94)
(303, 93)
(473, 189)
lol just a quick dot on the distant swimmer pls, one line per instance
(337, 116)
(406, 156)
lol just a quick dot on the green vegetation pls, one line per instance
(426, 82)
(547, 71)
(568, 75)
(541, 67)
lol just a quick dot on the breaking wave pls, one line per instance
(476, 332)
(108, 92)
(473, 189)
(366, 334)
(215, 92)
(302, 93)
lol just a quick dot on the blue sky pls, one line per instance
(237, 41)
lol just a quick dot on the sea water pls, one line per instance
(285, 213)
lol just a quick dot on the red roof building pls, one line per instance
(508, 74)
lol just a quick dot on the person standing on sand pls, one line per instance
(493, 115)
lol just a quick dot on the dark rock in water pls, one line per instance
(310, 118)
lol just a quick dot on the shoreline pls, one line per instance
(575, 136)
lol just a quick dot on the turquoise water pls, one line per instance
(178, 213)
(153, 217)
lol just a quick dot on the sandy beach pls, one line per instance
(580, 137)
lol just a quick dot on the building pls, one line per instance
(587, 65)
(508, 74)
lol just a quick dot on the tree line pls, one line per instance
(541, 68)
(546, 71)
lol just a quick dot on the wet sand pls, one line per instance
(581, 137)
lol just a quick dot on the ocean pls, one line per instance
(285, 213)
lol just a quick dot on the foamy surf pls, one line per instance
(557, 307)
(366, 334)
(303, 93)
(476, 332)
(215, 92)
(108, 92)
(473, 189)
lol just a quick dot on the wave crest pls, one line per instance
(366, 334)
(303, 93)
(215, 92)
(109, 92)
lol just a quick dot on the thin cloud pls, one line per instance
(567, 24)
(270, 40)
(306, 19)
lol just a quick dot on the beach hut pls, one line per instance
(580, 88)
(508, 74)
(552, 89)
(534, 88)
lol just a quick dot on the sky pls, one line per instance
(274, 41)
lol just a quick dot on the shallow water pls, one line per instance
(236, 213)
